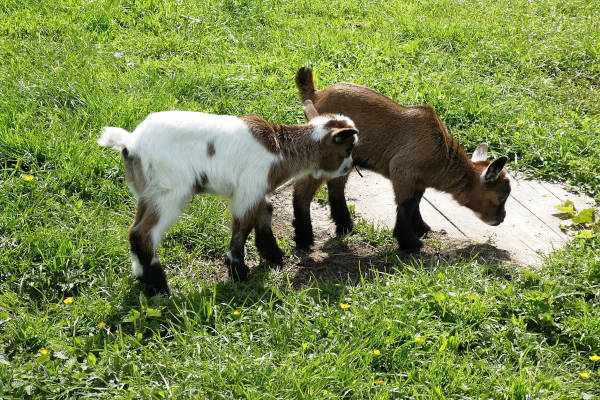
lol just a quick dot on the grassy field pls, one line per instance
(521, 75)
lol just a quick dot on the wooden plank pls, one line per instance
(540, 203)
(531, 226)
(513, 235)
(373, 198)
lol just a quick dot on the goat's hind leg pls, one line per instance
(238, 271)
(152, 220)
(337, 202)
(263, 234)
(146, 266)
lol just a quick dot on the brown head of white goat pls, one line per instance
(173, 155)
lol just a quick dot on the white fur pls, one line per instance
(342, 170)
(137, 269)
(116, 138)
(319, 122)
(173, 149)
(480, 153)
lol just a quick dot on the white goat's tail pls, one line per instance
(117, 138)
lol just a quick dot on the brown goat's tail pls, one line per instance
(305, 84)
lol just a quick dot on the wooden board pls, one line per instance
(530, 230)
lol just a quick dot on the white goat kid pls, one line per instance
(173, 155)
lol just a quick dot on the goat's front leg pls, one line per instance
(304, 190)
(404, 230)
(406, 202)
(339, 208)
(420, 227)
(263, 234)
(243, 222)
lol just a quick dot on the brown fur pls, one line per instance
(296, 146)
(263, 131)
(210, 149)
(408, 145)
(146, 218)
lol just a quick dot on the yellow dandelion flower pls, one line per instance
(585, 375)
(28, 178)
(419, 339)
(236, 313)
(69, 300)
(377, 352)
(43, 352)
(594, 358)
(378, 382)
(102, 325)
(344, 306)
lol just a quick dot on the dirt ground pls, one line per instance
(345, 260)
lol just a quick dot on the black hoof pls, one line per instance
(410, 245)
(155, 280)
(304, 243)
(422, 230)
(268, 248)
(304, 237)
(238, 271)
(344, 228)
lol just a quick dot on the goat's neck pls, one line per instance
(298, 151)
(457, 174)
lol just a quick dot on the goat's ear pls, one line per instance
(340, 135)
(493, 170)
(480, 153)
(309, 109)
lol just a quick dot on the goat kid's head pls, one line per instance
(337, 135)
(491, 189)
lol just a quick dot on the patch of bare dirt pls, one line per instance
(345, 261)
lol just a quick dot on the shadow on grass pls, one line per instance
(325, 273)
(340, 263)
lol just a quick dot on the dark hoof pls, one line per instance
(238, 271)
(304, 243)
(155, 280)
(410, 245)
(345, 228)
(304, 237)
(273, 255)
(268, 248)
(422, 230)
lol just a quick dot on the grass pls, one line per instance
(520, 75)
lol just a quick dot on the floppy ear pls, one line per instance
(309, 110)
(493, 170)
(342, 134)
(480, 153)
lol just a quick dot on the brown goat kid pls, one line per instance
(411, 147)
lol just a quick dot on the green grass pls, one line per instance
(523, 76)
